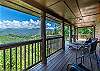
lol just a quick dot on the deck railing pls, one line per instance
(53, 45)
(24, 55)
(19, 56)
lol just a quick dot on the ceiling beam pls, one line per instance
(86, 15)
(19, 6)
(79, 10)
(69, 8)
(85, 22)
(54, 3)
(86, 26)
(45, 9)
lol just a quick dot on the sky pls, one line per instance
(10, 18)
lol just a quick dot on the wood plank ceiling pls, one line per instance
(80, 12)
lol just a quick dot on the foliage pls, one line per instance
(85, 31)
(66, 30)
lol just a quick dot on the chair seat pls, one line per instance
(78, 67)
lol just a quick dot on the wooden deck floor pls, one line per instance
(59, 61)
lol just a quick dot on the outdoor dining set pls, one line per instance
(86, 49)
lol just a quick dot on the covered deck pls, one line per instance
(60, 60)
(52, 52)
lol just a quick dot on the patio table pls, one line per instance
(75, 45)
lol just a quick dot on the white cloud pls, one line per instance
(48, 24)
(23, 24)
(51, 28)
(19, 24)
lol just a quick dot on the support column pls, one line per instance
(70, 34)
(94, 31)
(63, 36)
(74, 34)
(43, 36)
(77, 33)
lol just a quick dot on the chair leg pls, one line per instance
(97, 61)
(76, 55)
(96, 57)
(91, 63)
(83, 59)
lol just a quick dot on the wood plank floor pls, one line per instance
(59, 61)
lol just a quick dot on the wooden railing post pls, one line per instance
(43, 36)
(63, 36)
(70, 34)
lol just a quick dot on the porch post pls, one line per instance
(74, 34)
(94, 31)
(77, 33)
(63, 36)
(70, 34)
(43, 36)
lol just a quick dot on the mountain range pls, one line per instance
(19, 31)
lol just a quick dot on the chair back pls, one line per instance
(93, 46)
(88, 41)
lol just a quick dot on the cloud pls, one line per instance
(48, 24)
(23, 24)
(19, 24)
(51, 28)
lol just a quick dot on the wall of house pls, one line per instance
(97, 31)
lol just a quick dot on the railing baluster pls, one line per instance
(51, 46)
(38, 50)
(16, 58)
(20, 58)
(25, 57)
(10, 59)
(28, 55)
(47, 48)
(32, 53)
(56, 44)
(35, 52)
(4, 54)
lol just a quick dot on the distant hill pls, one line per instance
(21, 31)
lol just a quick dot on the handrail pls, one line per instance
(16, 44)
(55, 37)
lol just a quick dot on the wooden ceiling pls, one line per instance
(80, 12)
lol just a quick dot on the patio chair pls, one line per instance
(92, 50)
(81, 66)
(87, 45)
